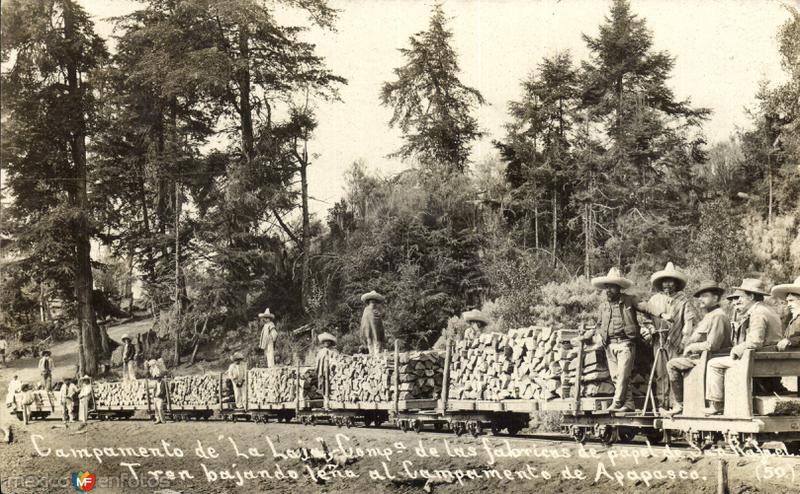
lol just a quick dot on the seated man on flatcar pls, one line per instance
(758, 327)
(791, 336)
(711, 335)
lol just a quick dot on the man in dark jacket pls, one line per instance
(791, 336)
(128, 359)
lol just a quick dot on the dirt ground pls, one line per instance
(399, 462)
(216, 456)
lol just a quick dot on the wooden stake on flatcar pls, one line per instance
(579, 373)
(396, 379)
(446, 375)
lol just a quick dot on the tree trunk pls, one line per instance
(246, 111)
(555, 225)
(536, 222)
(178, 297)
(306, 226)
(89, 340)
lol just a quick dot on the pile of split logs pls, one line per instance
(534, 363)
(123, 394)
(366, 378)
(198, 390)
(279, 385)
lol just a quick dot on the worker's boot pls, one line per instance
(676, 397)
(715, 407)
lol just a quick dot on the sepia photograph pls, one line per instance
(400, 246)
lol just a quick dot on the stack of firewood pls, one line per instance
(123, 393)
(195, 390)
(366, 378)
(533, 363)
(279, 385)
(420, 375)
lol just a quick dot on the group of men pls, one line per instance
(681, 333)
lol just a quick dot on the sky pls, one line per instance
(723, 49)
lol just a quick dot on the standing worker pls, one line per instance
(236, 373)
(3, 349)
(758, 327)
(791, 293)
(618, 333)
(84, 396)
(46, 369)
(269, 334)
(679, 318)
(160, 396)
(711, 335)
(476, 321)
(128, 359)
(372, 333)
(14, 387)
(323, 359)
(69, 392)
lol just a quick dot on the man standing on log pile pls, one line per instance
(711, 335)
(269, 334)
(757, 327)
(46, 369)
(678, 319)
(618, 333)
(372, 333)
(791, 293)
(128, 359)
(476, 321)
(236, 373)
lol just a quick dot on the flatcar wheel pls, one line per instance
(693, 439)
(626, 434)
(654, 436)
(403, 425)
(606, 434)
(578, 433)
(459, 429)
(312, 420)
(348, 422)
(477, 428)
(417, 426)
(513, 430)
(438, 426)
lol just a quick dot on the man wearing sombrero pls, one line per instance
(477, 321)
(711, 335)
(678, 319)
(791, 293)
(236, 373)
(269, 334)
(323, 358)
(128, 359)
(618, 332)
(46, 369)
(372, 333)
(758, 326)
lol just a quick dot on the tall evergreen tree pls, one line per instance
(48, 114)
(430, 104)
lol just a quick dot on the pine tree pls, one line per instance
(431, 106)
(49, 112)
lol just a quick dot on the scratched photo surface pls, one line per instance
(400, 246)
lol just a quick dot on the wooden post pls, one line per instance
(722, 477)
(396, 379)
(578, 374)
(177, 273)
(299, 387)
(221, 383)
(446, 376)
(147, 389)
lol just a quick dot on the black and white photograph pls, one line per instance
(400, 246)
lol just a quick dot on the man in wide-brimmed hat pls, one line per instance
(791, 293)
(323, 358)
(46, 370)
(84, 397)
(756, 327)
(372, 333)
(711, 335)
(476, 321)
(236, 373)
(618, 332)
(128, 359)
(68, 395)
(269, 334)
(675, 321)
